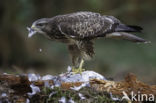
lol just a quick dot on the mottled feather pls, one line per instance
(85, 24)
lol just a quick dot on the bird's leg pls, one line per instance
(81, 65)
(79, 69)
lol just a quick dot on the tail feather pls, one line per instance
(126, 36)
(128, 28)
(138, 28)
(131, 37)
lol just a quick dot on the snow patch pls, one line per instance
(62, 100)
(3, 95)
(84, 77)
(47, 77)
(51, 94)
(70, 101)
(27, 100)
(35, 89)
(79, 87)
(33, 77)
(81, 96)
(69, 69)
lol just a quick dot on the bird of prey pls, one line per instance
(79, 29)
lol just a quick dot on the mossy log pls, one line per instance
(16, 88)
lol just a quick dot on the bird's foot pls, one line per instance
(77, 70)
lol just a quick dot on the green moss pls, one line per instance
(91, 96)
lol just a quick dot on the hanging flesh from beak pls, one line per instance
(31, 32)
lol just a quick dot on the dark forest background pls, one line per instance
(114, 58)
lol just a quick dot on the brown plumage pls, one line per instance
(79, 29)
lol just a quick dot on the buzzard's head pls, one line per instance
(39, 26)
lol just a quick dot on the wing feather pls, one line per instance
(85, 24)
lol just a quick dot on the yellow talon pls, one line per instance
(77, 70)
(80, 69)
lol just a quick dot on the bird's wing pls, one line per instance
(81, 25)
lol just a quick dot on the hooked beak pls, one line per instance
(33, 27)
(31, 31)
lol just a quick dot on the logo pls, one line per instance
(138, 97)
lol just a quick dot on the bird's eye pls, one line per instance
(40, 24)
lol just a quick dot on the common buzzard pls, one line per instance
(78, 30)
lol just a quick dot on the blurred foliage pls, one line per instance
(113, 58)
